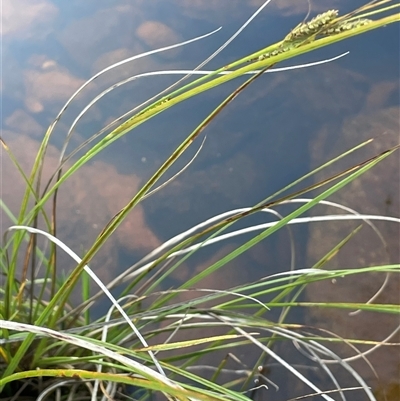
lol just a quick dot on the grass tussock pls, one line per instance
(154, 343)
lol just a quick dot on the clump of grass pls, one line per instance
(51, 350)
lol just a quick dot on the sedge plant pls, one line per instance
(51, 349)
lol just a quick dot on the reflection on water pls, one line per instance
(278, 129)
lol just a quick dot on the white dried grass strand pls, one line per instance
(79, 342)
(280, 360)
(212, 56)
(312, 344)
(300, 220)
(89, 271)
(171, 72)
(115, 65)
(53, 387)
